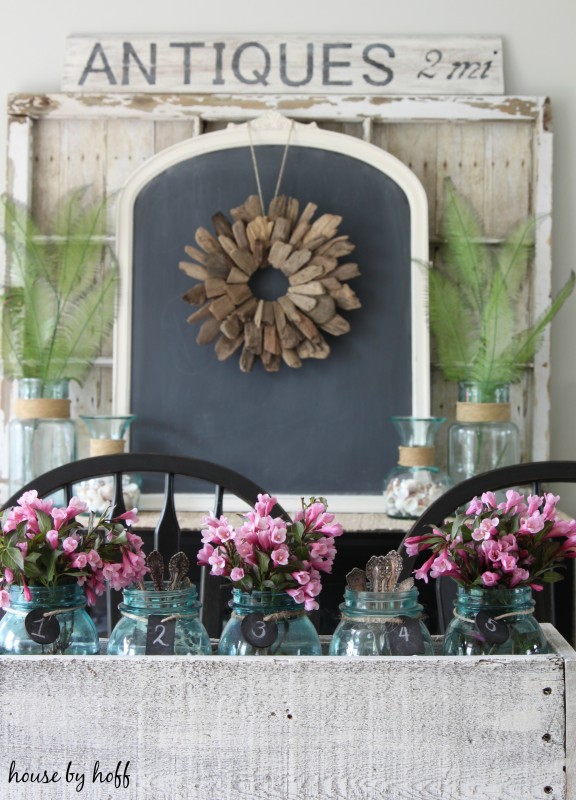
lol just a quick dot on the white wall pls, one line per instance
(540, 59)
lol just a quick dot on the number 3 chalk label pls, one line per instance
(41, 629)
(493, 630)
(160, 636)
(257, 631)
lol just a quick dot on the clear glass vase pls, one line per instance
(41, 436)
(381, 624)
(53, 622)
(493, 621)
(108, 436)
(417, 480)
(268, 623)
(483, 437)
(159, 623)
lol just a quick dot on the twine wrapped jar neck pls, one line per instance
(416, 456)
(483, 412)
(42, 408)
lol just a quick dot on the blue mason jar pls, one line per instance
(381, 624)
(159, 623)
(53, 622)
(494, 621)
(268, 624)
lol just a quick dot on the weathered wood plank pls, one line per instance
(289, 64)
(406, 729)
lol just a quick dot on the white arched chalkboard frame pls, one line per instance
(273, 129)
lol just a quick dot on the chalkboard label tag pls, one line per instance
(160, 636)
(494, 631)
(257, 631)
(41, 629)
(405, 638)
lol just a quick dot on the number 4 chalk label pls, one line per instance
(41, 629)
(494, 631)
(405, 638)
(160, 636)
(257, 631)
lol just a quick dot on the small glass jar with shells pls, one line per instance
(160, 617)
(381, 616)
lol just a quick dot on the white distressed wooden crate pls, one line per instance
(213, 728)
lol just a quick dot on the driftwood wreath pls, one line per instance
(307, 253)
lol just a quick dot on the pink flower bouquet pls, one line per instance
(269, 554)
(45, 546)
(519, 542)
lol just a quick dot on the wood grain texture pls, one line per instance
(214, 728)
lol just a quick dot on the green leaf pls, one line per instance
(552, 577)
(263, 561)
(45, 523)
(12, 558)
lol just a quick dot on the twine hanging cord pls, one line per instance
(525, 613)
(169, 618)
(50, 613)
(255, 164)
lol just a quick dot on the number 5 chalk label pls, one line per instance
(41, 629)
(257, 631)
(494, 631)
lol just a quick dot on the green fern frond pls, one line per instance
(59, 301)
(482, 284)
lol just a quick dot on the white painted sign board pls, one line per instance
(337, 64)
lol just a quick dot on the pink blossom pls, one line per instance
(217, 562)
(422, 572)
(532, 524)
(4, 598)
(486, 529)
(490, 578)
(236, 574)
(52, 539)
(70, 544)
(475, 507)
(489, 500)
(514, 503)
(277, 531)
(519, 575)
(129, 517)
(26, 591)
(79, 561)
(301, 577)
(297, 595)
(8, 575)
(508, 562)
(94, 560)
(205, 554)
(280, 555)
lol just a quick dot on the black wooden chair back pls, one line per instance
(555, 603)
(167, 535)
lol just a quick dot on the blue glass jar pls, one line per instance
(53, 622)
(283, 625)
(494, 621)
(159, 622)
(381, 624)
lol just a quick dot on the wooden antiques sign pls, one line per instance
(338, 64)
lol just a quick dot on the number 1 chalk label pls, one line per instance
(257, 631)
(41, 629)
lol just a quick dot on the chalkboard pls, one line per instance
(323, 428)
